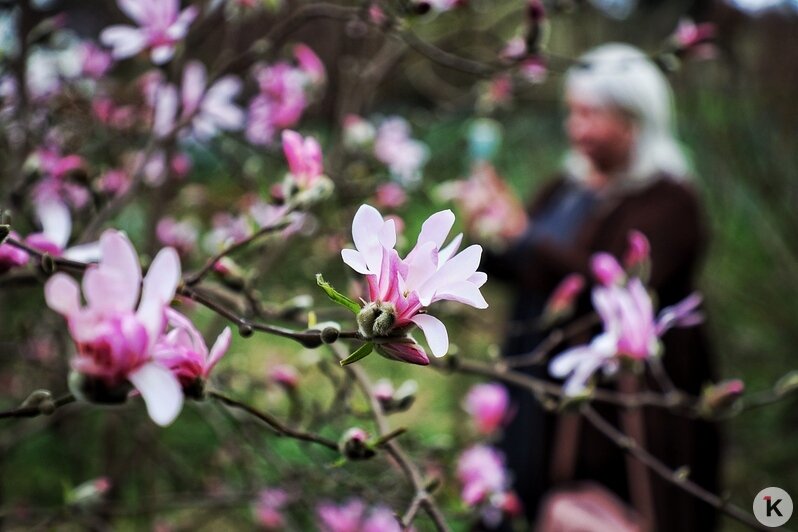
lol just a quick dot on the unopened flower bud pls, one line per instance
(354, 444)
(788, 383)
(41, 399)
(721, 396)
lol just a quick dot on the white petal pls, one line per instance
(220, 347)
(56, 221)
(89, 252)
(126, 41)
(435, 332)
(355, 260)
(160, 390)
(163, 277)
(462, 292)
(62, 294)
(449, 251)
(478, 279)
(162, 54)
(436, 228)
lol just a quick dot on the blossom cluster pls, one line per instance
(401, 289)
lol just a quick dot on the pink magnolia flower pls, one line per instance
(606, 269)
(638, 251)
(390, 195)
(488, 405)
(55, 183)
(184, 352)
(181, 235)
(304, 159)
(344, 518)
(95, 61)
(534, 69)
(381, 519)
(207, 109)
(689, 34)
(630, 330)
(310, 63)
(280, 102)
(268, 508)
(358, 132)
(285, 375)
(116, 331)
(56, 222)
(161, 27)
(481, 471)
(564, 296)
(401, 289)
(394, 146)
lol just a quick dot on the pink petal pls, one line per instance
(160, 390)
(62, 294)
(193, 87)
(162, 54)
(367, 220)
(462, 292)
(220, 347)
(134, 9)
(165, 110)
(435, 332)
(292, 148)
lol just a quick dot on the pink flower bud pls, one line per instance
(285, 375)
(606, 269)
(488, 406)
(564, 296)
(638, 251)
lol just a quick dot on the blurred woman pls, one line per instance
(624, 172)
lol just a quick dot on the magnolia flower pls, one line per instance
(268, 508)
(488, 405)
(344, 518)
(116, 331)
(181, 235)
(403, 155)
(56, 224)
(161, 28)
(564, 296)
(480, 470)
(630, 327)
(381, 519)
(95, 61)
(304, 159)
(358, 132)
(390, 195)
(310, 64)
(401, 289)
(184, 352)
(285, 375)
(208, 109)
(688, 34)
(638, 251)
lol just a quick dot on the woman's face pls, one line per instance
(602, 134)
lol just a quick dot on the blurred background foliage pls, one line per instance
(737, 116)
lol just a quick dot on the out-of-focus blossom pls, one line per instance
(88, 493)
(184, 352)
(116, 331)
(358, 132)
(638, 251)
(181, 235)
(56, 170)
(227, 230)
(304, 159)
(563, 298)
(401, 289)
(269, 507)
(394, 147)
(283, 94)
(56, 223)
(688, 34)
(95, 61)
(606, 269)
(719, 397)
(381, 519)
(534, 70)
(113, 115)
(630, 328)
(354, 444)
(11, 257)
(390, 196)
(488, 405)
(161, 26)
(208, 109)
(344, 518)
(284, 375)
(114, 181)
(481, 472)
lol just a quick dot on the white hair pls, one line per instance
(621, 76)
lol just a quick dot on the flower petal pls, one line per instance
(220, 347)
(160, 390)
(436, 228)
(434, 331)
(355, 260)
(163, 277)
(126, 41)
(56, 221)
(62, 294)
(462, 292)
